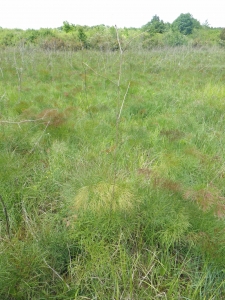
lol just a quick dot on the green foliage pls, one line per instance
(156, 34)
(100, 41)
(46, 32)
(185, 24)
(205, 37)
(151, 42)
(222, 34)
(32, 35)
(8, 39)
(67, 27)
(174, 38)
(155, 25)
(82, 37)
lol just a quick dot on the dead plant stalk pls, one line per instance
(6, 217)
(119, 110)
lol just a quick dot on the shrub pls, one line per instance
(155, 25)
(8, 39)
(222, 34)
(53, 43)
(175, 39)
(100, 41)
(82, 37)
(185, 24)
(32, 35)
(152, 41)
(67, 27)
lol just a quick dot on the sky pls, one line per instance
(37, 14)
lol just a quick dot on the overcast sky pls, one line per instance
(123, 13)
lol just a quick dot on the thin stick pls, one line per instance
(26, 217)
(19, 122)
(39, 138)
(121, 108)
(23, 121)
(99, 74)
(118, 40)
(118, 118)
(121, 60)
(117, 142)
(85, 75)
(19, 73)
(6, 217)
(69, 256)
(56, 273)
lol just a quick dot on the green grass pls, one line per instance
(108, 208)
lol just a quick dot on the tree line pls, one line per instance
(185, 30)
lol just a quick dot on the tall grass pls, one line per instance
(63, 156)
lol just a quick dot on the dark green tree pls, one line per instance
(155, 25)
(185, 24)
(82, 37)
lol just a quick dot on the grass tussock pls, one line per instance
(103, 196)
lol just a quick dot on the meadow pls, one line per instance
(112, 174)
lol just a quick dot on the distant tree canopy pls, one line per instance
(155, 25)
(185, 24)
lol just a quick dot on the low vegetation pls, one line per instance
(185, 30)
(112, 172)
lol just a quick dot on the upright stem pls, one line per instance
(6, 217)
(85, 75)
(119, 111)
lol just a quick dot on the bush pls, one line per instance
(53, 43)
(32, 35)
(82, 37)
(155, 25)
(100, 41)
(175, 39)
(152, 41)
(185, 24)
(222, 34)
(67, 27)
(8, 39)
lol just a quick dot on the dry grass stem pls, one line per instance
(23, 121)
(99, 74)
(124, 98)
(6, 217)
(35, 145)
(56, 273)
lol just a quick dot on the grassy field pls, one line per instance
(112, 174)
